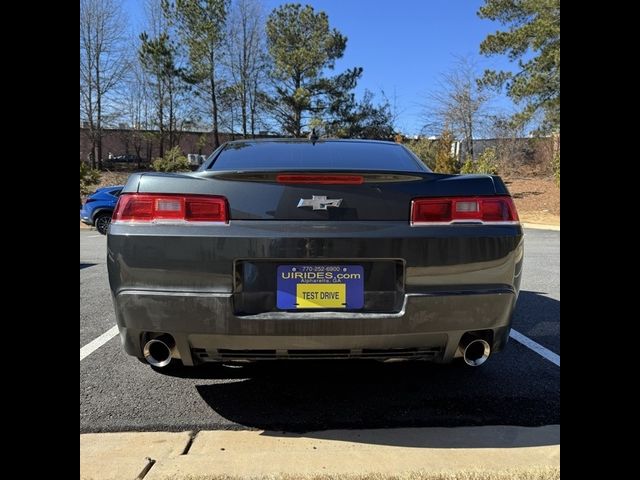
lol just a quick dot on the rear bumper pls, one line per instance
(429, 326)
(185, 282)
(84, 218)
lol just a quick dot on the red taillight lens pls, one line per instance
(150, 207)
(320, 179)
(462, 209)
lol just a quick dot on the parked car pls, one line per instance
(195, 159)
(130, 158)
(314, 249)
(99, 207)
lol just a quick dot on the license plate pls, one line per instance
(320, 286)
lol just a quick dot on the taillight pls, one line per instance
(500, 209)
(320, 179)
(156, 207)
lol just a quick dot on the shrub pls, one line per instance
(173, 161)
(556, 168)
(88, 178)
(486, 163)
(445, 162)
(468, 167)
(425, 150)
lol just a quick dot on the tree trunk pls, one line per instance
(99, 152)
(243, 100)
(171, 120)
(92, 127)
(297, 112)
(161, 118)
(214, 101)
(253, 121)
(214, 104)
(98, 117)
(98, 142)
(137, 146)
(470, 140)
(149, 150)
(243, 78)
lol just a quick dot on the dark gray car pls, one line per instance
(297, 249)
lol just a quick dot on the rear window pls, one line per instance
(321, 155)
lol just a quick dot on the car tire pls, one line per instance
(101, 222)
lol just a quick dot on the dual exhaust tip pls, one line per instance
(158, 351)
(475, 351)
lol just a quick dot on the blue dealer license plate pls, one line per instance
(320, 286)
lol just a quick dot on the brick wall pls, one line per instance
(122, 142)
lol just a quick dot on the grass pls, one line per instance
(534, 473)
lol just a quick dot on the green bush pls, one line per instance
(173, 161)
(425, 150)
(468, 167)
(556, 168)
(445, 162)
(88, 178)
(486, 163)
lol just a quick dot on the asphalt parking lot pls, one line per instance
(519, 386)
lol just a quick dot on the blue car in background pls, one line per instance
(98, 208)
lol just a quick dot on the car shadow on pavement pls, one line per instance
(353, 395)
(86, 265)
(516, 387)
(492, 436)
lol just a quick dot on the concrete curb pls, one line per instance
(541, 226)
(488, 452)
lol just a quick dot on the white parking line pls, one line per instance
(93, 345)
(92, 236)
(536, 347)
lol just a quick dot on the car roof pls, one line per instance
(306, 140)
(269, 154)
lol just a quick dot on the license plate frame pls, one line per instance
(320, 287)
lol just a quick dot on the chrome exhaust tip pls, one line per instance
(157, 351)
(475, 351)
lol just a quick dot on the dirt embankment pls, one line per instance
(537, 199)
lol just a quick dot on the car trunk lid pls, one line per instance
(319, 195)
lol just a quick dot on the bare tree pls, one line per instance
(103, 65)
(200, 26)
(228, 108)
(458, 105)
(136, 111)
(247, 60)
(163, 62)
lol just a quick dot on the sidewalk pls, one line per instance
(473, 453)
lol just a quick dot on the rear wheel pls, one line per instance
(102, 222)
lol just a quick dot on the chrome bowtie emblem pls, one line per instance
(319, 202)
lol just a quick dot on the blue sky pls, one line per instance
(403, 45)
